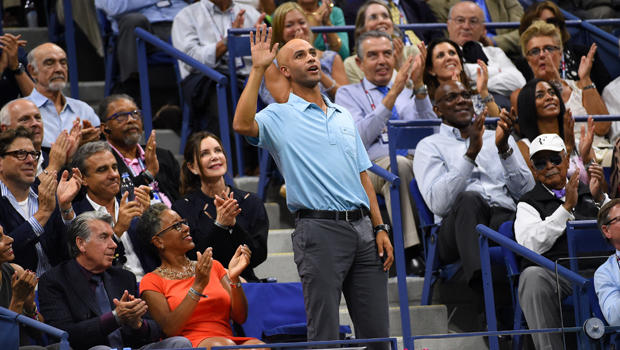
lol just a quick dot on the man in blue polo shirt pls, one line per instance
(323, 160)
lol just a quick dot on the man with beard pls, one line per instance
(47, 64)
(121, 123)
(23, 112)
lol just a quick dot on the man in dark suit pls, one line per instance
(93, 301)
(33, 219)
(121, 123)
(100, 176)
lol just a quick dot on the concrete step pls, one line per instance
(280, 241)
(281, 266)
(34, 36)
(247, 183)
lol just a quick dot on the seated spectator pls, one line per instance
(541, 111)
(290, 22)
(467, 176)
(99, 173)
(606, 281)
(47, 64)
(589, 9)
(127, 15)
(200, 30)
(94, 301)
(23, 112)
(466, 28)
(375, 56)
(541, 44)
(196, 299)
(445, 63)
(121, 123)
(549, 12)
(15, 81)
(32, 218)
(220, 216)
(540, 225)
(325, 14)
(375, 15)
(494, 11)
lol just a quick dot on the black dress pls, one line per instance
(251, 228)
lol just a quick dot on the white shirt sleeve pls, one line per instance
(536, 233)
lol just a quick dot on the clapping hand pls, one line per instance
(203, 269)
(571, 191)
(68, 187)
(483, 78)
(585, 141)
(227, 209)
(504, 128)
(89, 132)
(239, 261)
(150, 155)
(22, 286)
(130, 310)
(585, 66)
(596, 181)
(476, 131)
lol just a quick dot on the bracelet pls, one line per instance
(32, 314)
(233, 285)
(66, 212)
(331, 87)
(196, 293)
(588, 87)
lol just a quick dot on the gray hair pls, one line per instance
(86, 151)
(102, 110)
(32, 60)
(150, 223)
(80, 228)
(370, 34)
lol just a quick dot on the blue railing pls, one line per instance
(142, 37)
(71, 50)
(326, 344)
(14, 317)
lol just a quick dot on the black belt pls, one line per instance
(349, 215)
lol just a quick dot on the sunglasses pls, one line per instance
(177, 226)
(541, 163)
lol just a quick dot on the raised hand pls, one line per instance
(552, 74)
(483, 78)
(10, 43)
(402, 76)
(262, 54)
(569, 131)
(58, 152)
(68, 187)
(585, 66)
(504, 128)
(75, 138)
(203, 269)
(596, 181)
(127, 211)
(398, 52)
(239, 20)
(585, 141)
(227, 209)
(150, 155)
(417, 73)
(239, 261)
(571, 191)
(476, 131)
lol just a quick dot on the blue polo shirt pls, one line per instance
(320, 156)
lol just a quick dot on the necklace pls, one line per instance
(189, 270)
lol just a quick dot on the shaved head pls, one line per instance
(299, 63)
(286, 51)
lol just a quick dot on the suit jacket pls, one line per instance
(53, 240)
(148, 259)
(167, 177)
(67, 301)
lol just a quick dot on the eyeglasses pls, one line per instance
(612, 221)
(541, 163)
(122, 117)
(21, 154)
(466, 95)
(177, 226)
(473, 21)
(537, 50)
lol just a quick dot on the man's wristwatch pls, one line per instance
(382, 227)
(422, 90)
(149, 177)
(506, 154)
(19, 70)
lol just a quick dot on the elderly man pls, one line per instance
(607, 277)
(540, 225)
(23, 112)
(323, 160)
(468, 176)
(47, 64)
(33, 220)
(375, 57)
(121, 123)
(466, 28)
(95, 302)
(100, 177)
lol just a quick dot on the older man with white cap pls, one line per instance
(540, 225)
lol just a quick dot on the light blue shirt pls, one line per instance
(607, 287)
(371, 122)
(153, 10)
(320, 156)
(443, 172)
(53, 123)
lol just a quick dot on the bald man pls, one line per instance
(47, 64)
(340, 243)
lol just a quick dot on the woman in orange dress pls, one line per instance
(194, 299)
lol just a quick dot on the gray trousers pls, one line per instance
(538, 296)
(334, 257)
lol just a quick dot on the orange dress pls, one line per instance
(211, 317)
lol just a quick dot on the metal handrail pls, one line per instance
(40, 326)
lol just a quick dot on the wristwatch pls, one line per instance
(506, 154)
(149, 177)
(19, 70)
(382, 227)
(422, 90)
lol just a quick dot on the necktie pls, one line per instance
(396, 18)
(384, 90)
(101, 296)
(559, 193)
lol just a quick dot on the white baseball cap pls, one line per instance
(547, 142)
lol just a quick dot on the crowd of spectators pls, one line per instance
(69, 223)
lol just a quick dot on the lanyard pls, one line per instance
(230, 14)
(368, 97)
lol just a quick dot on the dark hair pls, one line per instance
(535, 10)
(9, 136)
(360, 18)
(102, 110)
(86, 151)
(370, 34)
(528, 116)
(603, 215)
(150, 224)
(190, 182)
(431, 81)
(80, 228)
